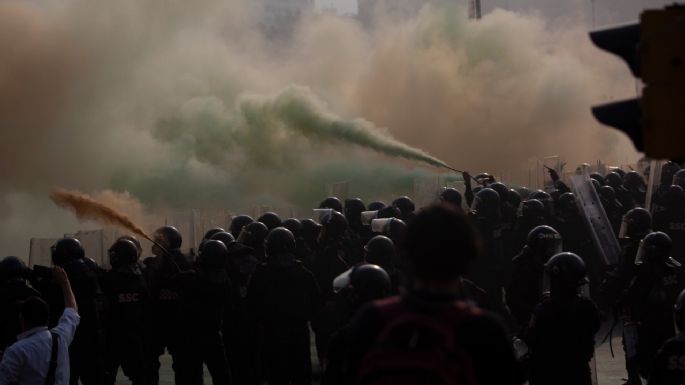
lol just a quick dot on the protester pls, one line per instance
(41, 355)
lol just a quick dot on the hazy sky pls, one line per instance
(606, 11)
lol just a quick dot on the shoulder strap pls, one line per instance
(52, 369)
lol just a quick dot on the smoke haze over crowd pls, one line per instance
(181, 104)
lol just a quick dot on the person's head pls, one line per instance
(441, 243)
(66, 251)
(34, 312)
(168, 237)
(363, 283)
(567, 274)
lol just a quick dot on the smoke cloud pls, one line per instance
(189, 105)
(88, 209)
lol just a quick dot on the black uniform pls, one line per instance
(525, 289)
(669, 364)
(672, 222)
(284, 296)
(239, 327)
(164, 307)
(128, 299)
(204, 303)
(333, 257)
(650, 299)
(561, 341)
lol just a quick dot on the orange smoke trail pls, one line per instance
(87, 208)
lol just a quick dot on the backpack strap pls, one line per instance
(52, 369)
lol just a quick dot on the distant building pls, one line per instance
(393, 9)
(281, 16)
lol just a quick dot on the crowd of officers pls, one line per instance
(243, 304)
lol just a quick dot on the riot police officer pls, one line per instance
(669, 363)
(648, 300)
(204, 304)
(335, 254)
(237, 224)
(527, 285)
(563, 327)
(380, 250)
(128, 298)
(284, 296)
(86, 351)
(164, 298)
(671, 221)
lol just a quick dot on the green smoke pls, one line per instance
(299, 110)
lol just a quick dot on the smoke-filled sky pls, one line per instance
(178, 104)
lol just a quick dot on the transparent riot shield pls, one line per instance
(596, 219)
(368, 216)
(653, 182)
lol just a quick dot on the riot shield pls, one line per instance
(596, 219)
(653, 183)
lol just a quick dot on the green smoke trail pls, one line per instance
(299, 110)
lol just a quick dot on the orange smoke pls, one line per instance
(87, 208)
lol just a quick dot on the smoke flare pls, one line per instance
(301, 111)
(87, 208)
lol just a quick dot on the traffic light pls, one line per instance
(654, 50)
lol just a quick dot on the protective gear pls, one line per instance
(668, 170)
(532, 208)
(213, 255)
(135, 242)
(226, 238)
(310, 231)
(253, 234)
(544, 241)
(271, 220)
(375, 206)
(566, 205)
(598, 177)
(452, 196)
(332, 203)
(633, 181)
(613, 179)
(380, 250)
(636, 223)
(389, 212)
(368, 216)
(211, 232)
(566, 270)
(406, 206)
(524, 192)
(655, 248)
(674, 197)
(122, 252)
(484, 179)
(679, 178)
(546, 200)
(294, 225)
(501, 189)
(12, 268)
(353, 209)
(168, 236)
(486, 203)
(279, 241)
(334, 225)
(67, 250)
(595, 184)
(513, 198)
(237, 224)
(368, 282)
